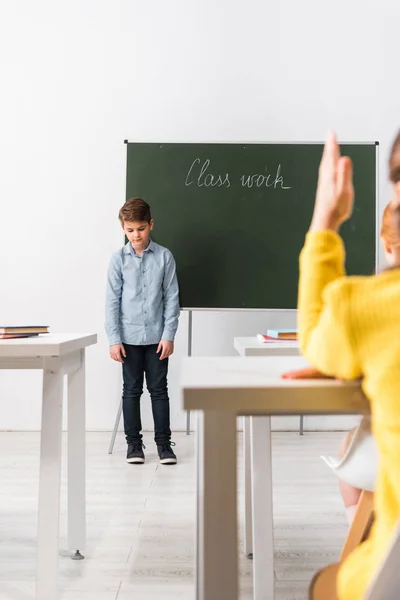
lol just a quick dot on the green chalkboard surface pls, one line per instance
(235, 216)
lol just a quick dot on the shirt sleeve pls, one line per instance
(113, 301)
(324, 322)
(171, 300)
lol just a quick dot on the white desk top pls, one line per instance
(49, 344)
(252, 385)
(250, 346)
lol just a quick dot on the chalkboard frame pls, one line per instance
(269, 143)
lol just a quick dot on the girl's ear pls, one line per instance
(386, 246)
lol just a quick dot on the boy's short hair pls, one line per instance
(135, 209)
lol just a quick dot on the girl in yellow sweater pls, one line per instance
(357, 464)
(349, 328)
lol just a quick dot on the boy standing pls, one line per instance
(142, 312)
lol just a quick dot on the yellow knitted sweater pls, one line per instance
(350, 327)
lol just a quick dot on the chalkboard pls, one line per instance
(235, 216)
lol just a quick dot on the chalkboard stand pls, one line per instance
(190, 329)
(115, 430)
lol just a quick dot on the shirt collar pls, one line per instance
(130, 250)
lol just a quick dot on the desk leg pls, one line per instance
(217, 552)
(188, 422)
(263, 533)
(49, 482)
(77, 459)
(248, 527)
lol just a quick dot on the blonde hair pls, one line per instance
(390, 228)
(394, 160)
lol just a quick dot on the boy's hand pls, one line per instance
(117, 351)
(166, 348)
(335, 193)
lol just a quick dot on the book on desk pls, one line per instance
(8, 332)
(277, 335)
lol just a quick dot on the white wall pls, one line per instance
(78, 78)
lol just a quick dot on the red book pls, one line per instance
(263, 339)
(10, 336)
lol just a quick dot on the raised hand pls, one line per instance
(335, 192)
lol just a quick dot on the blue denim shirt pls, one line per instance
(142, 299)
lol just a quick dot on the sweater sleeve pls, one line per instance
(324, 323)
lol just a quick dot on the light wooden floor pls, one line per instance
(141, 520)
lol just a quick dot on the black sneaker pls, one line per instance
(135, 454)
(166, 454)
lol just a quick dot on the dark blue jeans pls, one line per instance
(142, 360)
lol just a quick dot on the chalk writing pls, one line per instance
(261, 180)
(200, 174)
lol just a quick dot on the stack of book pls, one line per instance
(8, 332)
(277, 335)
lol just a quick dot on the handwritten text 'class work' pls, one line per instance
(199, 174)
